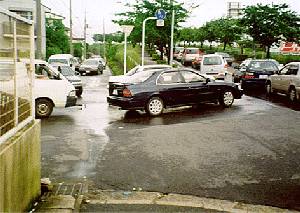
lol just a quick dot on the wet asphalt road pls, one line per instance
(249, 152)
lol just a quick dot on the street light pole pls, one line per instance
(143, 38)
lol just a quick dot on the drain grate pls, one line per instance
(67, 189)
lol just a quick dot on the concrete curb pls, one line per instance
(179, 200)
(60, 203)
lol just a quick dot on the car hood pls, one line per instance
(73, 78)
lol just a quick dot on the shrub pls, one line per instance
(241, 57)
(155, 57)
(210, 51)
(162, 62)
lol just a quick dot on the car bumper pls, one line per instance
(254, 81)
(125, 103)
(71, 101)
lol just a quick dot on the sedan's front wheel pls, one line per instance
(155, 106)
(292, 95)
(226, 99)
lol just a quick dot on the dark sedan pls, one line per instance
(257, 73)
(155, 90)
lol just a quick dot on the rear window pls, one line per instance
(212, 60)
(90, 62)
(139, 77)
(263, 65)
(192, 51)
(58, 61)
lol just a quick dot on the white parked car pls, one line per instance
(120, 78)
(286, 81)
(214, 65)
(189, 54)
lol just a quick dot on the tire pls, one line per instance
(226, 99)
(292, 95)
(43, 108)
(269, 88)
(155, 106)
(79, 92)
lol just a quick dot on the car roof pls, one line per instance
(62, 56)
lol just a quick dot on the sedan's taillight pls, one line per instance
(126, 93)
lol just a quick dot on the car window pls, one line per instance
(191, 77)
(58, 61)
(263, 65)
(192, 51)
(65, 70)
(139, 77)
(41, 69)
(90, 62)
(170, 78)
(212, 60)
(292, 70)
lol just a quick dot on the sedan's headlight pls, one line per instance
(72, 93)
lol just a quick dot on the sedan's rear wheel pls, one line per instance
(155, 106)
(226, 99)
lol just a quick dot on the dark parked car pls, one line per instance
(155, 90)
(257, 73)
(91, 66)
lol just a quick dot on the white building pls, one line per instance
(27, 9)
(234, 9)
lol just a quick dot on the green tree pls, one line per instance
(211, 32)
(77, 48)
(227, 30)
(267, 25)
(57, 41)
(143, 9)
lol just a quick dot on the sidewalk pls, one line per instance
(114, 201)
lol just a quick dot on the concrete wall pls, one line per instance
(20, 169)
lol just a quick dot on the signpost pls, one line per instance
(127, 30)
(160, 15)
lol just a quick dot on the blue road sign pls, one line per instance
(160, 14)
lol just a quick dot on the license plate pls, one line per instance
(263, 76)
(88, 71)
(115, 92)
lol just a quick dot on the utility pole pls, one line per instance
(104, 52)
(84, 43)
(38, 29)
(71, 29)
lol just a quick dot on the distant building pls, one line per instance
(234, 9)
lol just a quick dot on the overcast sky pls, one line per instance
(99, 11)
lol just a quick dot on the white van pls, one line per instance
(63, 59)
(214, 65)
(51, 89)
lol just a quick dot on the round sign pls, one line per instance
(160, 14)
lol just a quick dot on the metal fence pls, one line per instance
(16, 77)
